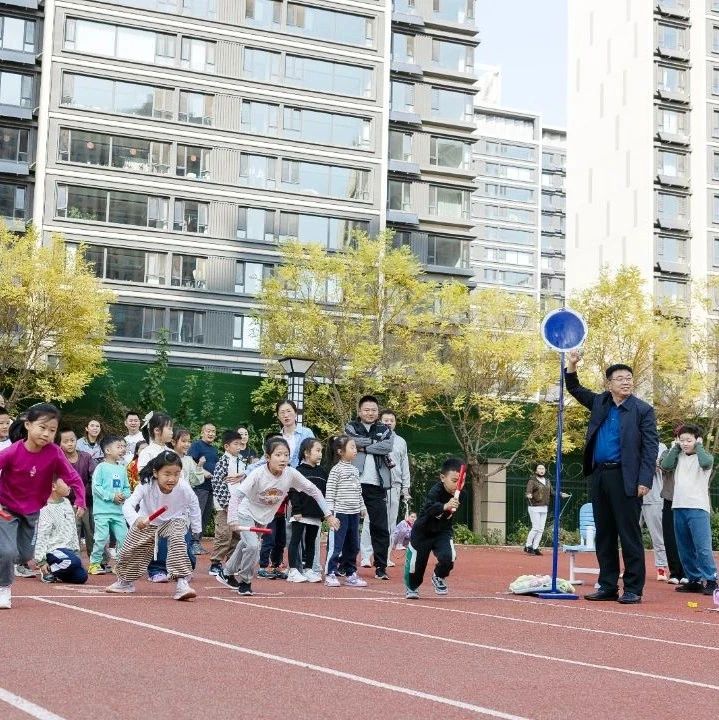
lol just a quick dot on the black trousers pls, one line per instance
(670, 542)
(302, 533)
(418, 555)
(273, 545)
(616, 516)
(375, 500)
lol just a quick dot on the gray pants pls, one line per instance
(244, 559)
(652, 518)
(17, 544)
(393, 498)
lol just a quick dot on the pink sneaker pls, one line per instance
(355, 581)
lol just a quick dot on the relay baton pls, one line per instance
(157, 513)
(258, 530)
(460, 483)
(5, 515)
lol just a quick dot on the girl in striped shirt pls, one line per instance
(344, 498)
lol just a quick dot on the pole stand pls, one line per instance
(549, 595)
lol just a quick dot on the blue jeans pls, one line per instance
(344, 542)
(160, 564)
(692, 528)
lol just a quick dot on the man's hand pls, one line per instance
(452, 504)
(642, 490)
(574, 357)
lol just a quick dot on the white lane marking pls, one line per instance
(451, 702)
(93, 596)
(481, 646)
(21, 703)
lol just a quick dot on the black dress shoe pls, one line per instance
(630, 598)
(603, 595)
(536, 551)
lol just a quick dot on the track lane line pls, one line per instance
(26, 706)
(332, 672)
(481, 646)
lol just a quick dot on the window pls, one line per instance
(673, 122)
(458, 11)
(402, 48)
(673, 207)
(715, 255)
(249, 277)
(509, 192)
(339, 27)
(508, 127)
(671, 79)
(452, 56)
(715, 39)
(191, 216)
(16, 90)
(549, 181)
(198, 55)
(512, 214)
(510, 235)
(671, 290)
(12, 201)
(17, 34)
(671, 249)
(671, 164)
(553, 202)
(447, 152)
(511, 257)
(403, 6)
(189, 271)
(448, 202)
(329, 232)
(508, 277)
(261, 65)
(186, 326)
(246, 333)
(263, 13)
(325, 128)
(399, 195)
(132, 321)
(206, 9)
(256, 224)
(193, 162)
(552, 264)
(671, 37)
(257, 171)
(330, 180)
(92, 93)
(400, 146)
(128, 265)
(515, 152)
(328, 77)
(447, 251)
(452, 105)
(401, 96)
(14, 144)
(260, 118)
(196, 108)
(517, 172)
(552, 284)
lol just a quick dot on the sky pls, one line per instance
(528, 39)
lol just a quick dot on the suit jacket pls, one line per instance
(639, 439)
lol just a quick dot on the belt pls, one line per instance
(607, 466)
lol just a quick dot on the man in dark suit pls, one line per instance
(620, 455)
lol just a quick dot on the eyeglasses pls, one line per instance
(622, 379)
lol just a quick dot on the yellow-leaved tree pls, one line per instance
(361, 314)
(54, 320)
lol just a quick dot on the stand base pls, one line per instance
(556, 595)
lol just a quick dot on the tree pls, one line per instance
(152, 393)
(54, 320)
(360, 314)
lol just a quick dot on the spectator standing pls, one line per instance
(134, 435)
(204, 447)
(91, 441)
(652, 518)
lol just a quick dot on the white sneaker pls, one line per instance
(5, 595)
(355, 580)
(183, 590)
(295, 576)
(366, 563)
(332, 581)
(121, 586)
(112, 553)
(312, 576)
(23, 571)
(390, 564)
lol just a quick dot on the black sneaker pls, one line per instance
(279, 573)
(709, 587)
(381, 575)
(215, 568)
(229, 581)
(693, 586)
(245, 588)
(440, 586)
(536, 551)
(48, 577)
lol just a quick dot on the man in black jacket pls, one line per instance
(619, 456)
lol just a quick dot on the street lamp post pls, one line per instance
(296, 368)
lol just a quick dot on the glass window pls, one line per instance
(16, 90)
(671, 290)
(132, 321)
(263, 13)
(131, 154)
(671, 249)
(671, 79)
(125, 264)
(257, 171)
(259, 117)
(402, 47)
(193, 162)
(196, 108)
(672, 121)
(401, 96)
(451, 153)
(325, 128)
(331, 180)
(510, 235)
(187, 326)
(12, 201)
(671, 164)
(671, 37)
(246, 333)
(448, 202)
(674, 207)
(333, 233)
(517, 172)
(189, 271)
(452, 105)
(339, 27)
(400, 146)
(459, 11)
(715, 39)
(198, 55)
(80, 203)
(550, 223)
(261, 65)
(715, 256)
(17, 34)
(198, 8)
(329, 77)
(447, 251)
(399, 195)
(249, 277)
(191, 216)
(14, 144)
(255, 224)
(452, 56)
(128, 208)
(516, 152)
(508, 192)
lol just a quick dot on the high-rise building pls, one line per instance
(643, 161)
(431, 125)
(20, 48)
(519, 204)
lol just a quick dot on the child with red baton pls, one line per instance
(432, 531)
(165, 502)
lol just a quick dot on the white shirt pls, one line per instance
(180, 503)
(132, 441)
(149, 453)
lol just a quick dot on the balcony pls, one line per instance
(406, 68)
(403, 117)
(441, 254)
(14, 167)
(407, 19)
(404, 167)
(673, 180)
(402, 217)
(672, 222)
(19, 57)
(672, 138)
(29, 4)
(673, 8)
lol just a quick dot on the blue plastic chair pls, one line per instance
(586, 520)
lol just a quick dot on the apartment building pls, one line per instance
(20, 47)
(553, 222)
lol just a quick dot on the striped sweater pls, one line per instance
(56, 529)
(344, 492)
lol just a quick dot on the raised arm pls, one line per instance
(581, 394)
(668, 460)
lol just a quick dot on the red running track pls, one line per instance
(300, 651)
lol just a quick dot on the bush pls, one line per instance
(518, 534)
(464, 536)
